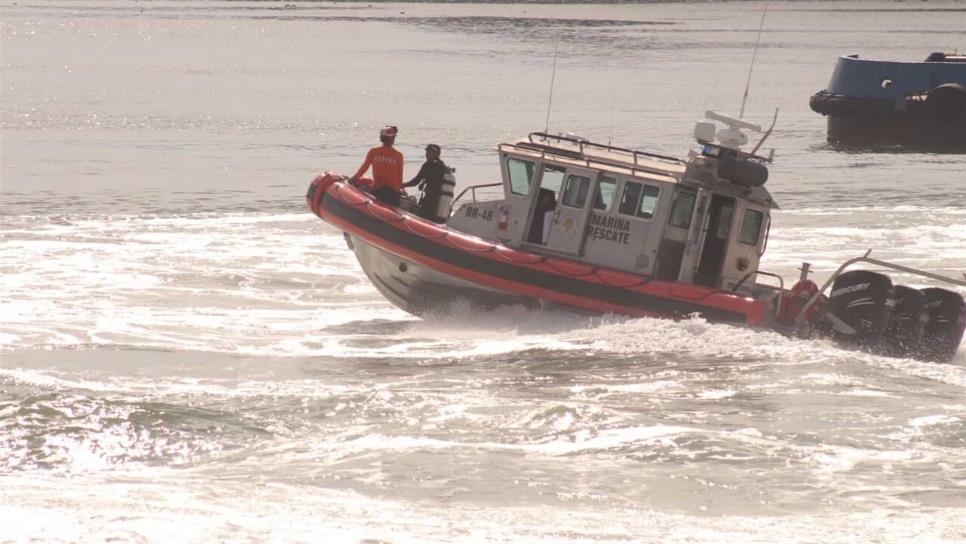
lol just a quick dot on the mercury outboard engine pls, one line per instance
(864, 301)
(947, 321)
(907, 325)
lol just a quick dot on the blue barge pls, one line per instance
(872, 102)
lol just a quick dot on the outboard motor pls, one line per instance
(907, 325)
(445, 205)
(947, 321)
(864, 301)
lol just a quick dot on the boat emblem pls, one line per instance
(568, 228)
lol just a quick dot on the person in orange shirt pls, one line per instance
(387, 168)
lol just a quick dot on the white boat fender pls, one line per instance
(445, 205)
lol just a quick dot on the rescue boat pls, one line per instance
(596, 228)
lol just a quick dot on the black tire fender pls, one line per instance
(947, 103)
(848, 106)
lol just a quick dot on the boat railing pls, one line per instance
(472, 190)
(800, 319)
(781, 287)
(589, 160)
(583, 144)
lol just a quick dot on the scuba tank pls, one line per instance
(445, 204)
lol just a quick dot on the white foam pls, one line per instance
(929, 421)
(147, 506)
(258, 285)
(834, 459)
(160, 387)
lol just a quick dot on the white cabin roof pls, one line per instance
(576, 151)
(581, 152)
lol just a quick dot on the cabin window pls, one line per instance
(604, 195)
(648, 202)
(520, 173)
(751, 227)
(552, 179)
(639, 200)
(682, 209)
(575, 193)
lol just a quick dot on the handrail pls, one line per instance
(581, 143)
(800, 320)
(781, 287)
(781, 281)
(545, 149)
(473, 189)
(764, 246)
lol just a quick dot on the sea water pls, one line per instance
(188, 355)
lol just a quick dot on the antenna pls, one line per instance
(753, 57)
(546, 130)
(765, 137)
(613, 106)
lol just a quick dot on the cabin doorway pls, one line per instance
(562, 208)
(670, 253)
(549, 183)
(715, 247)
(569, 220)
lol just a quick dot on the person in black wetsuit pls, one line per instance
(430, 181)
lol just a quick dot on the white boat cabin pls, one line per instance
(703, 221)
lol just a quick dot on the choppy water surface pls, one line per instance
(189, 356)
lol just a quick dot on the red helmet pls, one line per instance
(388, 132)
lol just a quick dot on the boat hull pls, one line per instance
(913, 127)
(424, 267)
(871, 102)
(421, 290)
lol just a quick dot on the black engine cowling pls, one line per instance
(903, 334)
(947, 322)
(864, 301)
(946, 104)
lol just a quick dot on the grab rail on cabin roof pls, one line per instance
(579, 156)
(582, 143)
